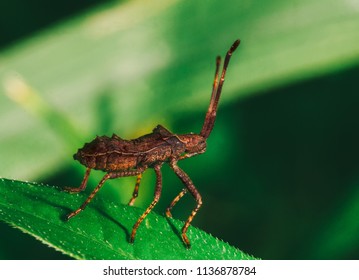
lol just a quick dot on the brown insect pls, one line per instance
(122, 158)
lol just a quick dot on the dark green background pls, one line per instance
(280, 178)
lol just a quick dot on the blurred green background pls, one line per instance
(280, 178)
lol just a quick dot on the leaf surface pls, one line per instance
(102, 230)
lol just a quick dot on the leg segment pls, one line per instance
(135, 191)
(174, 202)
(91, 196)
(83, 183)
(192, 189)
(157, 195)
(110, 175)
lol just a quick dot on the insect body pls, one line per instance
(122, 158)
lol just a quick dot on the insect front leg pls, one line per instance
(83, 183)
(174, 202)
(192, 189)
(156, 198)
(110, 175)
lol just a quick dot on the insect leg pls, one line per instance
(174, 202)
(156, 198)
(111, 175)
(135, 191)
(184, 191)
(83, 183)
(91, 196)
(192, 189)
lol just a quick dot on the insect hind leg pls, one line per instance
(83, 183)
(110, 175)
(88, 200)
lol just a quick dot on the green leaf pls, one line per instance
(102, 230)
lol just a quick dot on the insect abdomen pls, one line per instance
(105, 153)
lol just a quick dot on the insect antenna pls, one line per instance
(216, 92)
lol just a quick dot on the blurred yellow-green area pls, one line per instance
(280, 178)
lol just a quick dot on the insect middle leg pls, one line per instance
(110, 175)
(194, 192)
(135, 191)
(156, 198)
